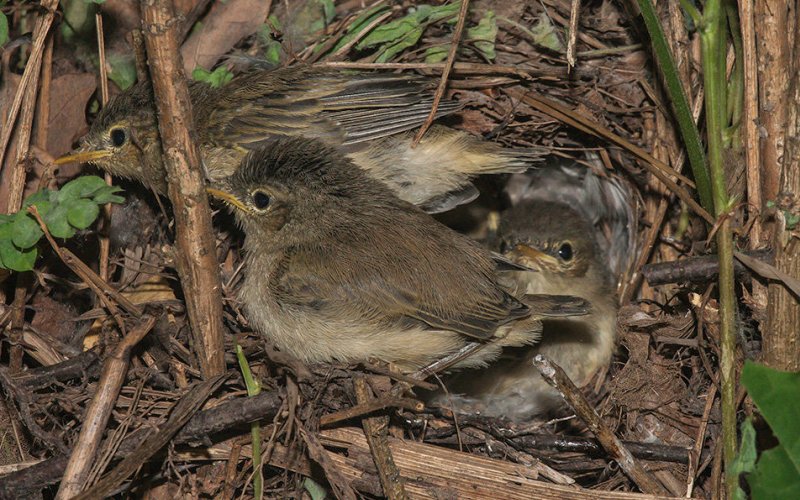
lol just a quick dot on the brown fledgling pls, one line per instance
(338, 268)
(555, 228)
(370, 117)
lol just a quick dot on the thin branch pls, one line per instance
(451, 57)
(103, 236)
(556, 377)
(574, 12)
(658, 168)
(195, 243)
(376, 430)
(188, 405)
(115, 370)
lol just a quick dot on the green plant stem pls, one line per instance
(713, 44)
(683, 113)
(736, 85)
(253, 389)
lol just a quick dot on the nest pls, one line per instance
(170, 432)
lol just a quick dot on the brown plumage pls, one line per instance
(368, 116)
(578, 231)
(339, 268)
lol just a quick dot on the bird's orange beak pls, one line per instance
(226, 197)
(83, 156)
(531, 257)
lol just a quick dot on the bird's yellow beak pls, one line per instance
(226, 197)
(531, 257)
(83, 156)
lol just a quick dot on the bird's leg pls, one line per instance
(439, 365)
(449, 360)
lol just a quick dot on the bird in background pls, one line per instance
(577, 230)
(370, 117)
(338, 268)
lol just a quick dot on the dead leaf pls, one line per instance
(69, 95)
(769, 271)
(226, 24)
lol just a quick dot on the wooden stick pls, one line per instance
(97, 414)
(369, 407)
(436, 472)
(555, 376)
(105, 245)
(28, 86)
(574, 12)
(376, 431)
(183, 411)
(196, 253)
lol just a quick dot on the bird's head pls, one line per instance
(123, 139)
(299, 187)
(554, 239)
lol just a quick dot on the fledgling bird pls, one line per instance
(338, 268)
(577, 230)
(370, 117)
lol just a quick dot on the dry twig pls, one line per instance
(556, 377)
(97, 414)
(376, 431)
(196, 255)
(448, 65)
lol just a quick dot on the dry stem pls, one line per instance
(196, 253)
(448, 65)
(97, 414)
(556, 377)
(376, 430)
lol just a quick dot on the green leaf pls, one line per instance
(775, 476)
(123, 70)
(315, 490)
(361, 22)
(57, 223)
(3, 29)
(484, 34)
(441, 12)
(82, 187)
(746, 459)
(791, 219)
(10, 256)
(15, 259)
(275, 22)
(544, 34)
(106, 195)
(400, 34)
(392, 32)
(436, 54)
(272, 52)
(25, 231)
(216, 78)
(82, 213)
(777, 395)
(328, 11)
(37, 198)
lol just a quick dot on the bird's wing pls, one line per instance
(339, 108)
(370, 297)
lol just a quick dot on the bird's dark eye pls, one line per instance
(118, 137)
(565, 252)
(261, 200)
